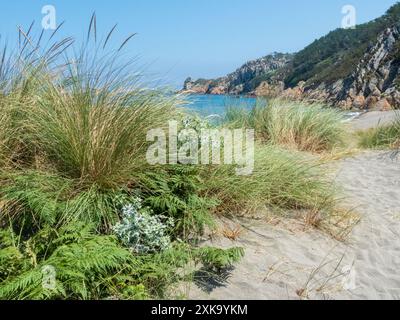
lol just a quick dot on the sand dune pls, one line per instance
(289, 262)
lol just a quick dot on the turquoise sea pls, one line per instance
(216, 105)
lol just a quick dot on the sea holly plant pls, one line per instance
(195, 122)
(142, 231)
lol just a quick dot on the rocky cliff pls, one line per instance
(357, 68)
(373, 83)
(244, 80)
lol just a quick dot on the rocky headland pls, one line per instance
(349, 68)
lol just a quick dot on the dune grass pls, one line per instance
(282, 180)
(382, 136)
(7, 133)
(96, 135)
(72, 155)
(299, 125)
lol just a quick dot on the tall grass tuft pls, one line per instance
(281, 180)
(306, 127)
(21, 71)
(91, 123)
(80, 116)
(7, 133)
(382, 136)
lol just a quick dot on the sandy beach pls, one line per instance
(291, 261)
(372, 119)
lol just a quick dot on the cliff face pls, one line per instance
(374, 82)
(357, 68)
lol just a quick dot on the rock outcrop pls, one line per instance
(245, 80)
(374, 82)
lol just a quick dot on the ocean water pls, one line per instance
(215, 106)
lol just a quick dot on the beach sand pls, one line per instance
(372, 119)
(291, 261)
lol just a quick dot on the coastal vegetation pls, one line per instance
(300, 125)
(387, 136)
(334, 56)
(282, 180)
(82, 213)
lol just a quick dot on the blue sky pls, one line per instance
(198, 38)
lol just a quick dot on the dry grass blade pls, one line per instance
(40, 39)
(92, 25)
(313, 284)
(126, 41)
(232, 233)
(26, 42)
(56, 30)
(109, 35)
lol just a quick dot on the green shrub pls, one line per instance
(85, 265)
(215, 258)
(90, 266)
(21, 73)
(167, 268)
(97, 138)
(176, 191)
(35, 199)
(86, 116)
(7, 132)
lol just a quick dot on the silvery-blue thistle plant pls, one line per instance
(141, 231)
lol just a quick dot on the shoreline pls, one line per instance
(252, 96)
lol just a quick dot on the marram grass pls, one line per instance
(281, 179)
(299, 125)
(387, 136)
